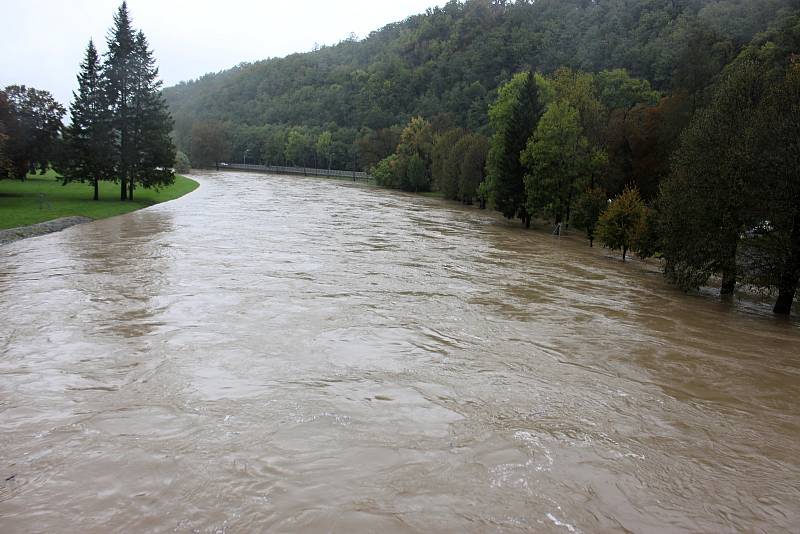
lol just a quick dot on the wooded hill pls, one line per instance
(446, 65)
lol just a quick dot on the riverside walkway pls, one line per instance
(301, 171)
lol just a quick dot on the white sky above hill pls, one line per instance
(43, 41)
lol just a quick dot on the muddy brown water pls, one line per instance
(289, 354)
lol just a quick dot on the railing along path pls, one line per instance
(302, 171)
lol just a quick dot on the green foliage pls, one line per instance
(446, 162)
(624, 222)
(374, 145)
(459, 160)
(472, 150)
(618, 90)
(588, 208)
(513, 116)
(88, 139)
(417, 138)
(210, 144)
(578, 89)
(31, 123)
(453, 59)
(324, 147)
(387, 172)
(142, 151)
(555, 159)
(416, 175)
(298, 145)
(771, 254)
(409, 168)
(182, 163)
(648, 241)
(707, 202)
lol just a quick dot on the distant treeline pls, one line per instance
(661, 127)
(446, 65)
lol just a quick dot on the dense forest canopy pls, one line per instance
(446, 65)
(662, 127)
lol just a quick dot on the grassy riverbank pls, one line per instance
(42, 198)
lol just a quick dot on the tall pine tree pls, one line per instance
(88, 137)
(513, 118)
(118, 71)
(143, 151)
(153, 151)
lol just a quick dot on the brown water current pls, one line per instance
(287, 354)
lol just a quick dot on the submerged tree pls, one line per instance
(513, 117)
(707, 202)
(621, 225)
(446, 162)
(472, 150)
(588, 208)
(776, 239)
(556, 159)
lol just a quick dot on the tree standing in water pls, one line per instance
(513, 117)
(622, 223)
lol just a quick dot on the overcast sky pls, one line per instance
(43, 41)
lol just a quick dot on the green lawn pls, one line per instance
(42, 198)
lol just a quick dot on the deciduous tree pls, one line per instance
(621, 225)
(33, 126)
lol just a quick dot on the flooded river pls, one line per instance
(290, 354)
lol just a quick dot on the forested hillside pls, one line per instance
(446, 65)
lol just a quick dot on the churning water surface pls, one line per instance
(289, 354)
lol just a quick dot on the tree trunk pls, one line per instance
(729, 271)
(130, 189)
(624, 253)
(569, 210)
(728, 282)
(123, 192)
(787, 284)
(96, 189)
(786, 295)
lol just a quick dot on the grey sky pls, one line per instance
(43, 41)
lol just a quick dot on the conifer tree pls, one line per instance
(118, 70)
(153, 153)
(143, 152)
(513, 118)
(88, 138)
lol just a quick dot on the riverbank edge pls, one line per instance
(52, 226)
(11, 235)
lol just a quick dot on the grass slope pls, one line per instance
(42, 198)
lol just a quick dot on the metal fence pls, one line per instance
(301, 171)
